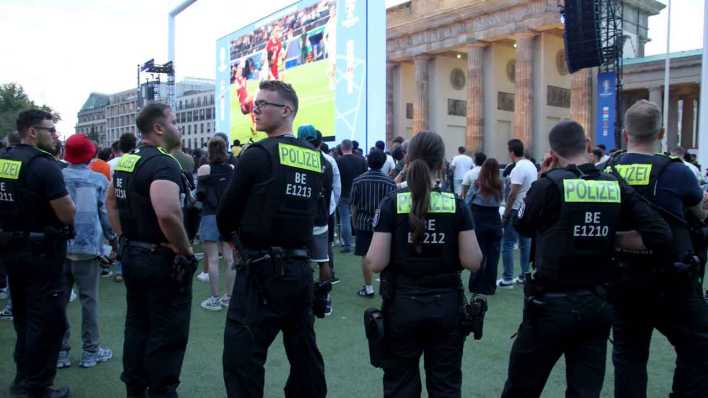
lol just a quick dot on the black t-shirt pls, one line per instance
(677, 187)
(542, 209)
(441, 236)
(254, 169)
(350, 167)
(154, 165)
(44, 178)
(158, 168)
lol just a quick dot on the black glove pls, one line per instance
(183, 266)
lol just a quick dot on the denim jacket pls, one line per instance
(475, 197)
(87, 189)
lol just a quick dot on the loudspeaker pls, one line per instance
(583, 47)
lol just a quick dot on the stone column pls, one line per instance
(523, 99)
(672, 134)
(687, 122)
(391, 69)
(474, 135)
(581, 97)
(655, 94)
(421, 104)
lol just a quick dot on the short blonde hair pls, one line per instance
(642, 121)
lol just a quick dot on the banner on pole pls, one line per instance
(606, 109)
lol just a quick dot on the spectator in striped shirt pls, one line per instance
(367, 192)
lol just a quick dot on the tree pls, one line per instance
(14, 100)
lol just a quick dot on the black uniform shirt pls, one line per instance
(542, 207)
(254, 167)
(158, 168)
(44, 178)
(440, 242)
(677, 188)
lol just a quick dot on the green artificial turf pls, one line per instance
(340, 338)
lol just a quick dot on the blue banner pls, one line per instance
(606, 109)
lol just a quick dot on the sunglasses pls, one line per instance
(52, 130)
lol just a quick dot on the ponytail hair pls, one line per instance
(425, 157)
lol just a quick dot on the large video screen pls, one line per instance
(296, 45)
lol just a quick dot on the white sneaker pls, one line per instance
(503, 283)
(225, 300)
(203, 277)
(213, 303)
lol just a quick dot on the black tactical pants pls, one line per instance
(39, 315)
(676, 308)
(157, 323)
(575, 325)
(423, 322)
(263, 304)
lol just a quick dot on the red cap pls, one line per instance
(79, 149)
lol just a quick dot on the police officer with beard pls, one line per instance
(270, 207)
(36, 213)
(422, 239)
(573, 212)
(656, 292)
(145, 204)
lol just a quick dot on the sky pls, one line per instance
(62, 50)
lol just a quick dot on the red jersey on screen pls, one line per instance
(242, 93)
(274, 47)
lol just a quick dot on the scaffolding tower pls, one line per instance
(610, 13)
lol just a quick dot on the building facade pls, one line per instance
(644, 79)
(482, 72)
(120, 115)
(105, 117)
(91, 119)
(195, 118)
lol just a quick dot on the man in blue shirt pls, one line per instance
(88, 190)
(659, 290)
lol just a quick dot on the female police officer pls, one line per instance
(422, 238)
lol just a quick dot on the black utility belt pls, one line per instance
(445, 281)
(144, 245)
(253, 256)
(568, 293)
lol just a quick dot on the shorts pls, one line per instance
(318, 247)
(208, 231)
(362, 242)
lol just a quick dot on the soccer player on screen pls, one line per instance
(245, 100)
(275, 53)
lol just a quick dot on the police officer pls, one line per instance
(573, 212)
(665, 295)
(271, 205)
(35, 214)
(422, 239)
(145, 204)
